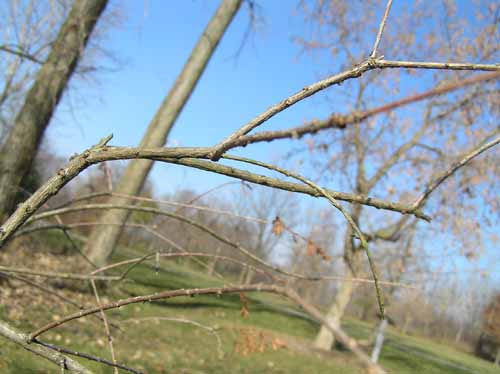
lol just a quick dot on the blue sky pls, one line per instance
(153, 43)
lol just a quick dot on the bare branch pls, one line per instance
(106, 327)
(296, 187)
(100, 153)
(384, 64)
(340, 121)
(85, 356)
(354, 72)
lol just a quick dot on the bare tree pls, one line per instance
(19, 149)
(373, 156)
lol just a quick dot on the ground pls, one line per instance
(207, 334)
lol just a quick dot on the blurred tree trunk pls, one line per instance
(379, 341)
(325, 339)
(406, 325)
(458, 336)
(104, 238)
(20, 147)
(213, 264)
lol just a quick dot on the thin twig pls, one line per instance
(316, 278)
(211, 330)
(50, 292)
(452, 169)
(336, 204)
(341, 121)
(84, 355)
(381, 29)
(106, 327)
(196, 224)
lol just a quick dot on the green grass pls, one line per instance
(155, 346)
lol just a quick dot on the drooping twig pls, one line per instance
(109, 337)
(196, 224)
(336, 204)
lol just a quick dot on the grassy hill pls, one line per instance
(208, 334)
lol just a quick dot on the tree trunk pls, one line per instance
(325, 339)
(497, 358)
(104, 238)
(19, 150)
(213, 264)
(249, 275)
(458, 336)
(379, 341)
(407, 323)
(352, 254)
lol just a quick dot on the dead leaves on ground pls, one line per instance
(255, 341)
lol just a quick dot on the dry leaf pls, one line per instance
(244, 305)
(277, 226)
(311, 248)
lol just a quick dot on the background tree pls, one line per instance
(381, 144)
(376, 156)
(20, 146)
(104, 238)
(489, 344)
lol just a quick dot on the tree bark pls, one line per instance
(20, 147)
(104, 238)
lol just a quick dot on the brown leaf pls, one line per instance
(277, 343)
(244, 305)
(278, 226)
(311, 248)
(321, 252)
